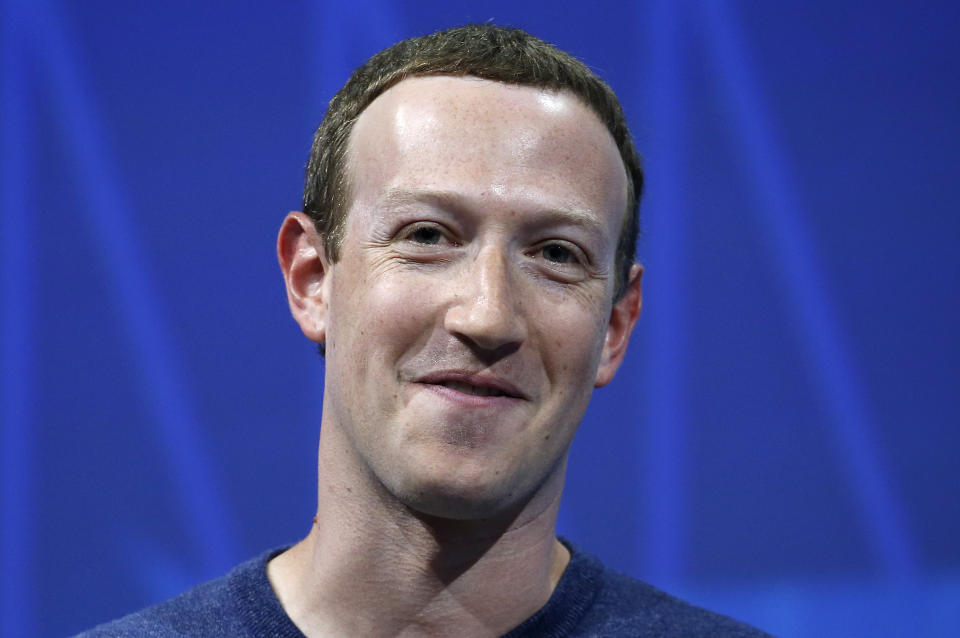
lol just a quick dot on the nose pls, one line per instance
(486, 309)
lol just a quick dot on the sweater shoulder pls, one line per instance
(214, 608)
(205, 610)
(594, 601)
(625, 606)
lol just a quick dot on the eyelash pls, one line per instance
(407, 234)
(576, 256)
(567, 254)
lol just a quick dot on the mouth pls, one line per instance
(475, 390)
(477, 385)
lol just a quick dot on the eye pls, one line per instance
(562, 260)
(424, 234)
(558, 254)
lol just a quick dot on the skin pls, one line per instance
(466, 323)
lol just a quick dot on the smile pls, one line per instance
(471, 384)
(476, 390)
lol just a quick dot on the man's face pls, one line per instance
(469, 316)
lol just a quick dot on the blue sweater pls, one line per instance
(589, 600)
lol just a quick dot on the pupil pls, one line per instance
(557, 253)
(426, 235)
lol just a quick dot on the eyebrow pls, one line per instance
(406, 196)
(453, 201)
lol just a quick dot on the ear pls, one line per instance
(623, 316)
(306, 273)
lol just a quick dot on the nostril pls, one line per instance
(489, 326)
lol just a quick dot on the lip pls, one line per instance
(437, 380)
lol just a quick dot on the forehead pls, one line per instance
(484, 138)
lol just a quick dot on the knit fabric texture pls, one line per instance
(590, 600)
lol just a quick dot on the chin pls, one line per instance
(460, 498)
(485, 496)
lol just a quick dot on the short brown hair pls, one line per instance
(485, 51)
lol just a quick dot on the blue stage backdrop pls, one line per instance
(781, 444)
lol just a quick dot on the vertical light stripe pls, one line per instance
(807, 288)
(664, 317)
(17, 585)
(136, 297)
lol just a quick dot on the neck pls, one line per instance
(371, 567)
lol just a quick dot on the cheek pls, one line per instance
(572, 342)
(374, 327)
(377, 318)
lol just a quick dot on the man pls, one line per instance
(465, 258)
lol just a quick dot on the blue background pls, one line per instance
(781, 444)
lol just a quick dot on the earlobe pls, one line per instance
(306, 274)
(623, 316)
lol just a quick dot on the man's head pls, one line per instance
(485, 51)
(473, 303)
